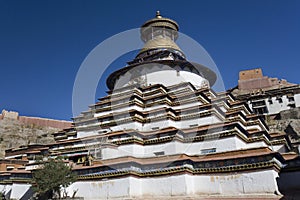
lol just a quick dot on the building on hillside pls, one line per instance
(162, 132)
(264, 95)
(277, 101)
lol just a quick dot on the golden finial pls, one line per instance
(158, 14)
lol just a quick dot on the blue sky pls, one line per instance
(43, 43)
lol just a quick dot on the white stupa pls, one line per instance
(162, 133)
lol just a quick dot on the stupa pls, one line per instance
(162, 132)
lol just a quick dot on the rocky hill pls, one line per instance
(287, 122)
(16, 131)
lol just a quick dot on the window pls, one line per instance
(207, 151)
(291, 99)
(292, 105)
(193, 125)
(9, 167)
(270, 101)
(258, 103)
(279, 99)
(260, 110)
(159, 153)
(96, 153)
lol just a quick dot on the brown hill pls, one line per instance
(16, 131)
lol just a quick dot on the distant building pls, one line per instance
(264, 95)
(162, 132)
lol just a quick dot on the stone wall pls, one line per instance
(254, 79)
(250, 74)
(42, 122)
(290, 114)
(10, 114)
(60, 124)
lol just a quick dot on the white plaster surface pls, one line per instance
(276, 106)
(151, 74)
(6, 189)
(297, 100)
(18, 190)
(176, 147)
(235, 184)
(182, 186)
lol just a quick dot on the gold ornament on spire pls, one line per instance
(158, 14)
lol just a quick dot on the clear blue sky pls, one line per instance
(43, 43)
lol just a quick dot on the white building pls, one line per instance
(162, 133)
(264, 95)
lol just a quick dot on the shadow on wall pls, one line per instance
(28, 195)
(7, 195)
(289, 185)
(31, 195)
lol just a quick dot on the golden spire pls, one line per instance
(158, 14)
(159, 33)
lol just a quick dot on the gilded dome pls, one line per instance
(160, 43)
(159, 33)
(158, 22)
(160, 49)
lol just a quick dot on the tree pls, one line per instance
(51, 177)
(2, 196)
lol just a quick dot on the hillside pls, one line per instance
(16, 130)
(287, 122)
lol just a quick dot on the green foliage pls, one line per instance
(53, 176)
(2, 197)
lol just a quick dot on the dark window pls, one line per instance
(206, 151)
(292, 105)
(270, 101)
(291, 99)
(193, 125)
(160, 153)
(279, 99)
(260, 110)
